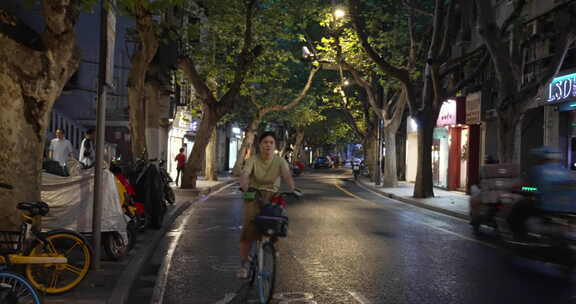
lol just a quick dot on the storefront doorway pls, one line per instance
(573, 154)
(464, 139)
(440, 152)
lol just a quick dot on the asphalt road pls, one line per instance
(348, 245)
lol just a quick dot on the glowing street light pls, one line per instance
(339, 13)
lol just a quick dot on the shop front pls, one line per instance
(181, 135)
(475, 130)
(450, 146)
(560, 117)
(234, 145)
(411, 149)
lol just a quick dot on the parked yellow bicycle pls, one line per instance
(55, 261)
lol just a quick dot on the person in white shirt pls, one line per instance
(87, 150)
(60, 148)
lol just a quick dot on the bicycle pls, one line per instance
(55, 261)
(272, 223)
(15, 289)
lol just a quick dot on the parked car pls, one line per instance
(322, 162)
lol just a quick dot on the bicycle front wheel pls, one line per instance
(267, 273)
(59, 278)
(16, 289)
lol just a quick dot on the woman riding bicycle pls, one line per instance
(262, 172)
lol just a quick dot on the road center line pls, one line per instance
(426, 224)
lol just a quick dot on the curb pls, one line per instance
(122, 289)
(416, 203)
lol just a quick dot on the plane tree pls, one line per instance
(434, 74)
(34, 68)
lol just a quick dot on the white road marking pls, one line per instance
(227, 298)
(209, 228)
(358, 297)
(160, 286)
(426, 224)
(293, 296)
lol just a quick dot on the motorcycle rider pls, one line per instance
(356, 168)
(556, 188)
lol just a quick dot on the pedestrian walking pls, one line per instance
(87, 153)
(60, 149)
(181, 159)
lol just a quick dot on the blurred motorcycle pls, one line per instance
(502, 201)
(356, 170)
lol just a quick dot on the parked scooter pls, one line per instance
(152, 190)
(169, 195)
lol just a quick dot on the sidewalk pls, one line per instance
(447, 202)
(113, 282)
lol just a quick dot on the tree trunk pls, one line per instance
(390, 170)
(30, 82)
(21, 151)
(424, 184)
(211, 158)
(371, 153)
(283, 145)
(298, 145)
(246, 147)
(401, 151)
(152, 119)
(196, 158)
(137, 115)
(141, 59)
(507, 127)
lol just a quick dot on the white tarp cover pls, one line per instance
(71, 200)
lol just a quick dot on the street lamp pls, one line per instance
(339, 13)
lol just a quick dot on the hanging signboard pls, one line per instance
(474, 108)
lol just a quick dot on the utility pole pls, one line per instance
(106, 66)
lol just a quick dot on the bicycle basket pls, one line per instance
(272, 225)
(11, 241)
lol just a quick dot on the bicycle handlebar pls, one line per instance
(285, 193)
(6, 186)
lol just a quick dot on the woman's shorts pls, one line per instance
(251, 210)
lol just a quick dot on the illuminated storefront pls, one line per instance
(560, 117)
(181, 135)
(450, 146)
